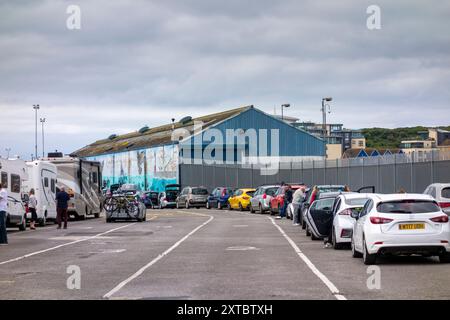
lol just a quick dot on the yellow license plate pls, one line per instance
(411, 226)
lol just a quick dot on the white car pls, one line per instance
(343, 222)
(401, 224)
(441, 193)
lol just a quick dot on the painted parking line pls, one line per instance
(65, 244)
(159, 257)
(334, 290)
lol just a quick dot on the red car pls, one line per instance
(277, 201)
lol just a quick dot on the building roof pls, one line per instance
(355, 152)
(153, 136)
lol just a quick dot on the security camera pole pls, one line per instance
(43, 145)
(286, 105)
(36, 108)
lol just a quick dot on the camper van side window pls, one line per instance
(94, 177)
(4, 178)
(52, 185)
(15, 183)
(46, 182)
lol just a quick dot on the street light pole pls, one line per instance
(43, 145)
(324, 121)
(286, 105)
(36, 108)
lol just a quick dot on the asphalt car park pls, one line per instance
(203, 254)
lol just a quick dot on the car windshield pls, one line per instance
(445, 193)
(331, 188)
(356, 202)
(199, 191)
(408, 206)
(129, 187)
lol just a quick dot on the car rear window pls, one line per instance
(250, 193)
(445, 193)
(331, 189)
(271, 191)
(199, 191)
(356, 202)
(408, 206)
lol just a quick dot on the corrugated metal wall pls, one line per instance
(387, 178)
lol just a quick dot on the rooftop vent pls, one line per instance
(185, 120)
(112, 137)
(144, 129)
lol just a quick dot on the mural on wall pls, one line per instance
(149, 169)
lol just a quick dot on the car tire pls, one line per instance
(260, 211)
(336, 245)
(240, 207)
(97, 215)
(251, 208)
(308, 233)
(43, 220)
(313, 237)
(355, 254)
(23, 224)
(369, 259)
(444, 258)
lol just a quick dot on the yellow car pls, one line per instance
(241, 199)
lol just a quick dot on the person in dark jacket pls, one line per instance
(287, 200)
(62, 199)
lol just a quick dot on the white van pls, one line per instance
(13, 173)
(42, 178)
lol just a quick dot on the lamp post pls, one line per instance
(43, 145)
(324, 119)
(36, 108)
(286, 105)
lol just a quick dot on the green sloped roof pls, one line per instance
(153, 137)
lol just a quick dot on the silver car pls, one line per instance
(192, 197)
(261, 198)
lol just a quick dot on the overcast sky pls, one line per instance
(136, 63)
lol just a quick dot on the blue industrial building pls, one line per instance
(150, 157)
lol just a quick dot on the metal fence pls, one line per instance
(388, 174)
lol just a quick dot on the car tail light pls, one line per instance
(346, 233)
(441, 219)
(380, 220)
(264, 196)
(345, 212)
(378, 243)
(444, 241)
(444, 204)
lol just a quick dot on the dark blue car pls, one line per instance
(219, 198)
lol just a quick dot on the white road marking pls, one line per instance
(76, 238)
(334, 290)
(64, 244)
(159, 257)
(242, 248)
(240, 226)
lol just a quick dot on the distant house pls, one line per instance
(369, 152)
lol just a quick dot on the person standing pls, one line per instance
(287, 199)
(32, 205)
(3, 208)
(62, 199)
(297, 198)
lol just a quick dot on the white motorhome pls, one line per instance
(81, 180)
(42, 178)
(13, 173)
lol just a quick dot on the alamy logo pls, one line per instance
(74, 280)
(73, 22)
(373, 21)
(213, 146)
(374, 279)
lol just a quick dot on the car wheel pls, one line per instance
(444, 258)
(313, 237)
(23, 224)
(355, 254)
(368, 258)
(260, 211)
(43, 220)
(308, 233)
(336, 245)
(240, 207)
(251, 209)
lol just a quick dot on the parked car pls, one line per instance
(344, 207)
(314, 194)
(441, 193)
(277, 201)
(168, 198)
(192, 197)
(219, 198)
(151, 199)
(319, 216)
(401, 224)
(261, 198)
(241, 199)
